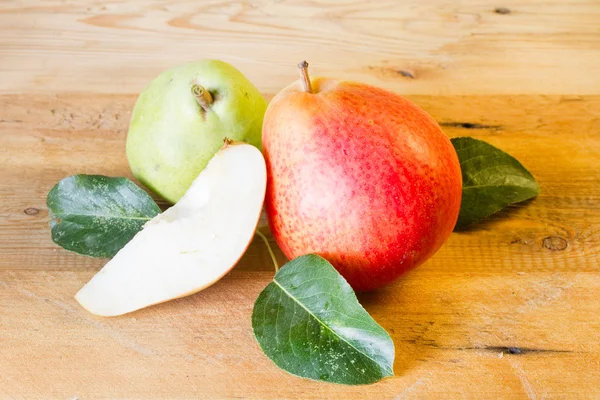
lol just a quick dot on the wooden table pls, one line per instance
(509, 309)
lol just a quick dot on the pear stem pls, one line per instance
(264, 238)
(304, 78)
(226, 143)
(202, 96)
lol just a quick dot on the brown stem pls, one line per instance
(303, 67)
(226, 143)
(202, 96)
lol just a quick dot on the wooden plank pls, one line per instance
(452, 335)
(525, 281)
(46, 138)
(425, 47)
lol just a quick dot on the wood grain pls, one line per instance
(507, 309)
(425, 47)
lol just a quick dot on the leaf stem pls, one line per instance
(264, 238)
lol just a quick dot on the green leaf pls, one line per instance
(97, 215)
(492, 179)
(310, 323)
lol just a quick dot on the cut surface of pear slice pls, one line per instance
(192, 244)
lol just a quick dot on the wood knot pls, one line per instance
(502, 10)
(555, 243)
(469, 125)
(406, 73)
(394, 72)
(31, 211)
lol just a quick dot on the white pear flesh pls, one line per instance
(191, 245)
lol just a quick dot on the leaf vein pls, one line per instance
(343, 339)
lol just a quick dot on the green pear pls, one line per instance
(182, 117)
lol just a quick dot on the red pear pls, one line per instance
(359, 175)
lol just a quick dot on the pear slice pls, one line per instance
(192, 244)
